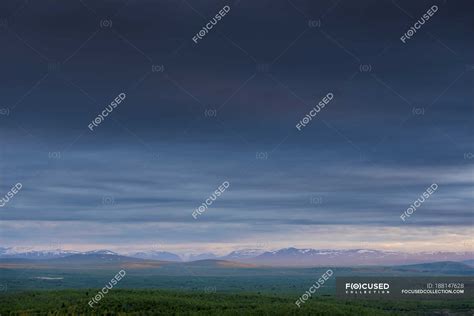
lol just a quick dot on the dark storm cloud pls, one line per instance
(389, 133)
(105, 188)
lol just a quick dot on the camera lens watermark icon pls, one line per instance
(56, 245)
(105, 23)
(314, 23)
(157, 68)
(210, 113)
(316, 200)
(365, 68)
(263, 68)
(108, 200)
(3, 287)
(261, 155)
(54, 155)
(262, 245)
(469, 67)
(210, 289)
(4, 111)
(468, 155)
(418, 111)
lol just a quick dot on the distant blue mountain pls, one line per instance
(283, 257)
(445, 267)
(351, 257)
(202, 256)
(157, 255)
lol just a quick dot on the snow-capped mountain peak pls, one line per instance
(243, 253)
(156, 255)
(100, 252)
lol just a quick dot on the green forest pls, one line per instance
(163, 302)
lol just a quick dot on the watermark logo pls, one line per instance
(261, 155)
(54, 155)
(316, 200)
(418, 111)
(468, 155)
(108, 200)
(318, 284)
(157, 68)
(105, 24)
(210, 289)
(208, 202)
(415, 205)
(206, 28)
(262, 245)
(105, 112)
(4, 111)
(96, 299)
(56, 245)
(314, 23)
(210, 112)
(402, 288)
(418, 24)
(314, 111)
(365, 68)
(10, 194)
(367, 288)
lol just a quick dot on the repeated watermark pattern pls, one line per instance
(10, 194)
(316, 200)
(208, 202)
(418, 24)
(267, 69)
(113, 282)
(415, 205)
(468, 155)
(209, 25)
(108, 109)
(4, 111)
(314, 111)
(318, 284)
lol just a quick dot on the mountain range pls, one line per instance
(282, 257)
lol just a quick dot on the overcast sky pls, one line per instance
(225, 109)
